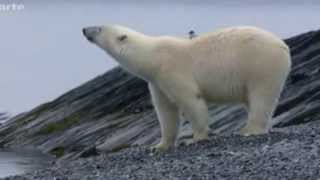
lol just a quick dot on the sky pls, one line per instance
(43, 53)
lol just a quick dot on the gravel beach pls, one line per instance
(288, 153)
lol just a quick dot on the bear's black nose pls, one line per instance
(91, 32)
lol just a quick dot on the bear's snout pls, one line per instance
(91, 32)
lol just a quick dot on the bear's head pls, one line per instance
(130, 48)
(112, 39)
(118, 41)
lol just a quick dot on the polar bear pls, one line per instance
(242, 64)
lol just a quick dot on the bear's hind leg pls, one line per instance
(168, 117)
(261, 104)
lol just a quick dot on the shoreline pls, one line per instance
(21, 161)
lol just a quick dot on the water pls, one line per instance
(18, 162)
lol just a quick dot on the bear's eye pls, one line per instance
(122, 37)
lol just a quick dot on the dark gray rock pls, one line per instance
(113, 111)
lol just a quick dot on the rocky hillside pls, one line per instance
(113, 111)
(3, 117)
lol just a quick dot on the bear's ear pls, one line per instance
(122, 37)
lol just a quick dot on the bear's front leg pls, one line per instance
(196, 111)
(168, 117)
(187, 97)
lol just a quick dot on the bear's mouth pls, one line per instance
(90, 39)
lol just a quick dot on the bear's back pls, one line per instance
(240, 35)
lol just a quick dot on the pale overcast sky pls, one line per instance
(43, 53)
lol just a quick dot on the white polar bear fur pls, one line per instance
(233, 65)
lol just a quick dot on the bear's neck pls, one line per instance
(139, 60)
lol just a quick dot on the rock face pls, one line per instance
(3, 117)
(113, 111)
